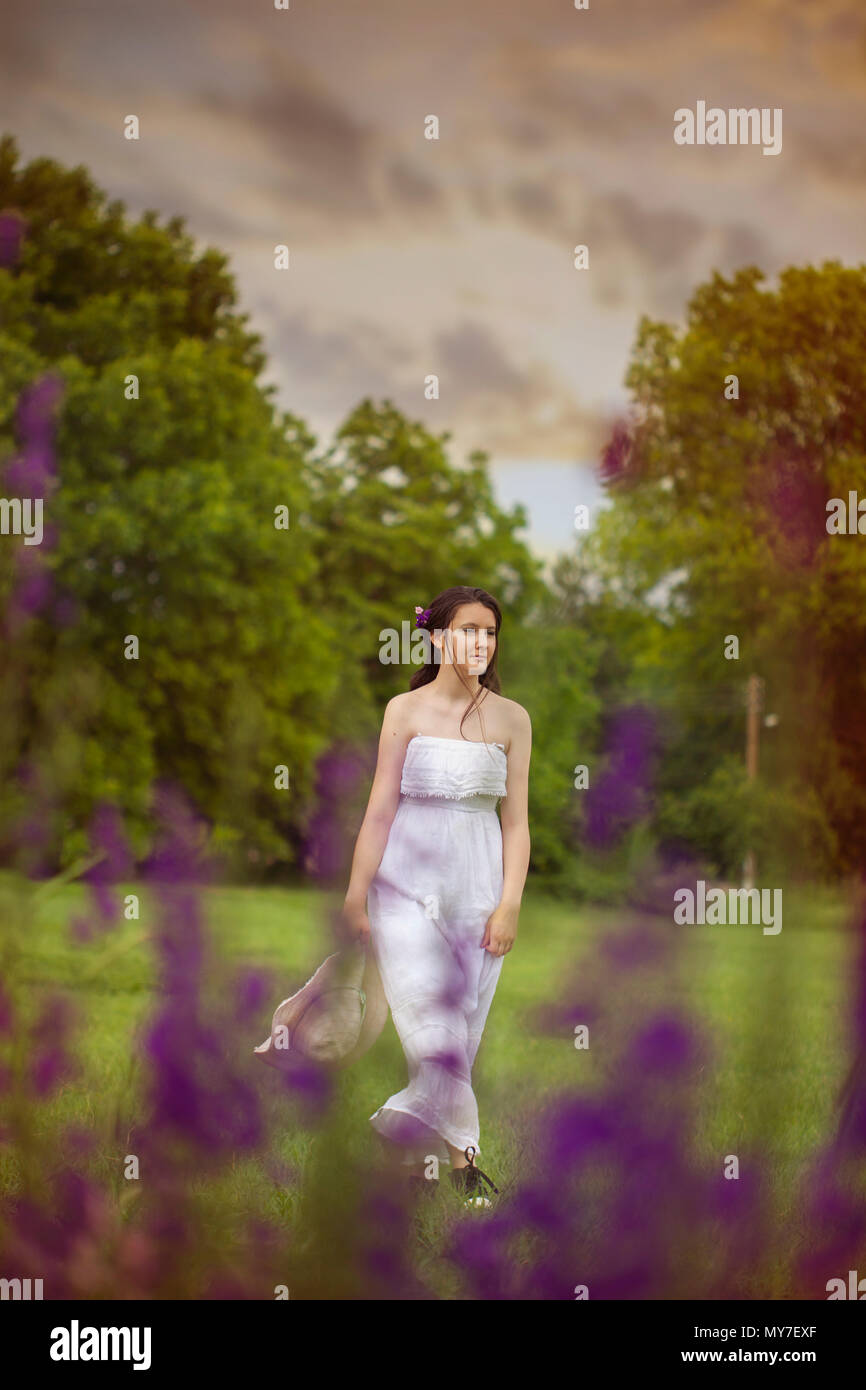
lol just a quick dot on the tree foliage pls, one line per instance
(718, 527)
(259, 646)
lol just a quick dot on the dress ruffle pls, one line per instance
(453, 768)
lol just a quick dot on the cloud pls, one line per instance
(836, 156)
(487, 401)
(412, 188)
(638, 251)
(324, 157)
(661, 239)
(742, 245)
(535, 203)
(472, 358)
(25, 47)
(509, 409)
(306, 128)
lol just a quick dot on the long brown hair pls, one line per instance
(439, 615)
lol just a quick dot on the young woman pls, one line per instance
(442, 878)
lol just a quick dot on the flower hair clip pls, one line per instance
(421, 615)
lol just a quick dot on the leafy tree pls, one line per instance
(396, 523)
(258, 646)
(163, 511)
(718, 527)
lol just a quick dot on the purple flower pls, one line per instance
(619, 796)
(12, 226)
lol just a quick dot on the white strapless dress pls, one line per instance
(439, 880)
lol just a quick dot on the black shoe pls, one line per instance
(467, 1181)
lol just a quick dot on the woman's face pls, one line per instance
(471, 638)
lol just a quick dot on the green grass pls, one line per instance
(774, 1011)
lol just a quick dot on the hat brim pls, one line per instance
(353, 967)
(375, 1013)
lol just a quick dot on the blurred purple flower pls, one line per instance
(618, 461)
(786, 497)
(619, 796)
(327, 840)
(665, 1046)
(108, 839)
(12, 229)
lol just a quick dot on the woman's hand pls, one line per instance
(355, 923)
(501, 929)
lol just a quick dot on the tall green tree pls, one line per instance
(258, 646)
(170, 464)
(396, 522)
(718, 528)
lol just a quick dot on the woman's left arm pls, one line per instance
(501, 928)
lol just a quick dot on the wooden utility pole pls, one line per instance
(754, 699)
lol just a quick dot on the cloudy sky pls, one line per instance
(409, 256)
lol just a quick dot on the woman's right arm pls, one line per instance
(381, 809)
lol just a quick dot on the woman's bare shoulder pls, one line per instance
(400, 710)
(515, 713)
(406, 700)
(514, 718)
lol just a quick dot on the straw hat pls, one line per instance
(335, 1018)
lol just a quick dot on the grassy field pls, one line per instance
(773, 1013)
